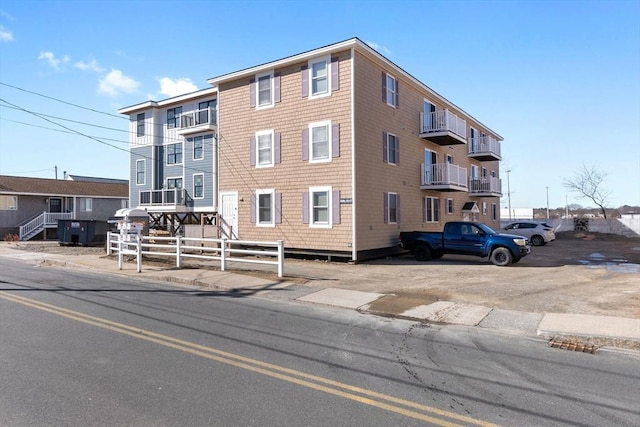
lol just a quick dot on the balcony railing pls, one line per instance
(490, 186)
(171, 197)
(484, 148)
(441, 123)
(196, 120)
(445, 176)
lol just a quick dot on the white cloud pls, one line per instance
(89, 66)
(379, 48)
(6, 15)
(115, 83)
(5, 34)
(54, 62)
(170, 87)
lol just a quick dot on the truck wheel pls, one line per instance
(422, 253)
(501, 257)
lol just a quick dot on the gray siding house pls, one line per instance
(31, 207)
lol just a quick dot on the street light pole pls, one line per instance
(509, 192)
(547, 202)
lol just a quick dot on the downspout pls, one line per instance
(354, 236)
(216, 157)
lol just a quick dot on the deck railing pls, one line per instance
(205, 116)
(45, 219)
(443, 174)
(442, 121)
(484, 144)
(485, 185)
(170, 197)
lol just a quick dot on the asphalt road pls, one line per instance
(81, 349)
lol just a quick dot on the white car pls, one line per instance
(538, 233)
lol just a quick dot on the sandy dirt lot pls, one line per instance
(578, 273)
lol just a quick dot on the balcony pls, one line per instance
(484, 148)
(485, 187)
(443, 177)
(443, 128)
(174, 199)
(198, 121)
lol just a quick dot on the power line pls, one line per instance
(60, 100)
(60, 130)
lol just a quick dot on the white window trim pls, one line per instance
(272, 223)
(144, 171)
(86, 204)
(433, 201)
(475, 172)
(257, 148)
(194, 185)
(193, 150)
(166, 181)
(329, 191)
(327, 62)
(271, 89)
(326, 123)
(9, 203)
(389, 148)
(167, 153)
(395, 93)
(450, 203)
(388, 213)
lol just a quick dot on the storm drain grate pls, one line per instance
(572, 345)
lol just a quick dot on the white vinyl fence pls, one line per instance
(222, 250)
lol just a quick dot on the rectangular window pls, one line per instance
(494, 212)
(319, 80)
(140, 172)
(264, 148)
(198, 186)
(484, 208)
(8, 203)
(207, 112)
(320, 147)
(173, 117)
(140, 124)
(265, 90)
(392, 208)
(174, 154)
(265, 207)
(450, 206)
(86, 204)
(198, 151)
(392, 91)
(174, 183)
(392, 149)
(320, 207)
(431, 209)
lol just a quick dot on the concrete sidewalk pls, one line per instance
(325, 283)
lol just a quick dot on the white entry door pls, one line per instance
(229, 204)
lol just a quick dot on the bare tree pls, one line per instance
(587, 182)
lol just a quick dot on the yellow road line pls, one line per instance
(254, 365)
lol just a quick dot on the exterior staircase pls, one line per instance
(45, 220)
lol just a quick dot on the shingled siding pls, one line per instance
(374, 177)
(293, 176)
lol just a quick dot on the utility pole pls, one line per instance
(509, 192)
(547, 202)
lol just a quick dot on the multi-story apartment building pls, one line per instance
(334, 151)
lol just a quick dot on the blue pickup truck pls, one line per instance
(466, 238)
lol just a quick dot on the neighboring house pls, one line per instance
(333, 150)
(31, 207)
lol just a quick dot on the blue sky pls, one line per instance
(559, 80)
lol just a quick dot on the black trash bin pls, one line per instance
(75, 232)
